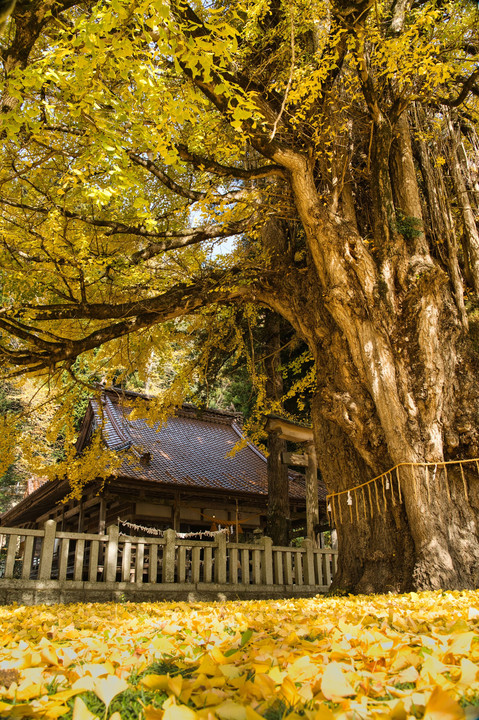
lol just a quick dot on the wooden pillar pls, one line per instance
(81, 516)
(220, 559)
(112, 553)
(48, 547)
(177, 513)
(312, 504)
(308, 562)
(102, 517)
(267, 565)
(169, 557)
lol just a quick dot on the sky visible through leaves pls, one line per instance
(399, 657)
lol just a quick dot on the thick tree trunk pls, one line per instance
(395, 386)
(278, 523)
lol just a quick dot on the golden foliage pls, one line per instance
(398, 657)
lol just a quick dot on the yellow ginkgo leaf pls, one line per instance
(469, 672)
(408, 675)
(441, 706)
(179, 712)
(19, 712)
(27, 691)
(289, 691)
(155, 682)
(230, 710)
(64, 695)
(49, 656)
(334, 684)
(163, 646)
(207, 665)
(230, 671)
(461, 644)
(84, 684)
(153, 713)
(175, 684)
(52, 712)
(324, 713)
(109, 687)
(81, 712)
(431, 668)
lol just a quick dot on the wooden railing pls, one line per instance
(65, 559)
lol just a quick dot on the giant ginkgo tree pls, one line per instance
(337, 141)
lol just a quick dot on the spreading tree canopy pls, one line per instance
(337, 142)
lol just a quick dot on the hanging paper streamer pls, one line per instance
(384, 494)
(182, 536)
(350, 502)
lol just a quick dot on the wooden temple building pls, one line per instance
(177, 475)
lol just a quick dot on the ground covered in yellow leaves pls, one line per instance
(398, 657)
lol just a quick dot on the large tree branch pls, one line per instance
(179, 300)
(207, 164)
(165, 179)
(32, 352)
(468, 85)
(193, 236)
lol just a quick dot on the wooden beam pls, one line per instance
(289, 458)
(86, 504)
(288, 430)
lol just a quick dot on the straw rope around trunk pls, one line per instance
(375, 492)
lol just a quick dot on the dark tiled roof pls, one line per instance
(191, 449)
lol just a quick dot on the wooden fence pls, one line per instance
(50, 565)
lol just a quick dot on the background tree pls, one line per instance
(138, 135)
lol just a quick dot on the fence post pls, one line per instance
(112, 553)
(169, 556)
(220, 560)
(309, 561)
(48, 546)
(268, 561)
